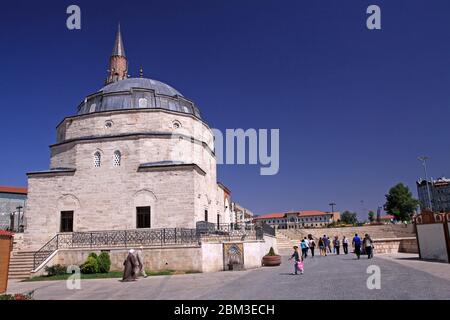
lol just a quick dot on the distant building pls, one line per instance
(440, 194)
(387, 219)
(12, 203)
(242, 215)
(299, 219)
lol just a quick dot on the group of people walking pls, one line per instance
(364, 246)
(327, 246)
(134, 265)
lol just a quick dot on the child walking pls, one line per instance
(298, 261)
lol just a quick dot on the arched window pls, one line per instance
(97, 159)
(143, 103)
(117, 158)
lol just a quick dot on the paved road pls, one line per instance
(332, 277)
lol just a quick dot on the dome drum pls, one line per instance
(137, 93)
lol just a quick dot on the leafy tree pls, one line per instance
(371, 216)
(400, 202)
(348, 217)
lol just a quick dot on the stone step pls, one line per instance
(19, 277)
(22, 273)
(22, 255)
(26, 275)
(22, 258)
(19, 255)
(21, 264)
(16, 268)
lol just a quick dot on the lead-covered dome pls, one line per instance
(127, 84)
(137, 93)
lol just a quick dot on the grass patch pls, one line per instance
(109, 275)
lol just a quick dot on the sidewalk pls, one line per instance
(437, 269)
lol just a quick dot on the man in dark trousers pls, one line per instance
(345, 244)
(337, 244)
(368, 245)
(357, 245)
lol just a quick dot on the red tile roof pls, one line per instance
(5, 233)
(271, 216)
(387, 217)
(6, 189)
(308, 213)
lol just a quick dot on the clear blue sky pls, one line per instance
(354, 107)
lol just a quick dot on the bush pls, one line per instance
(93, 255)
(271, 252)
(90, 266)
(18, 296)
(55, 270)
(104, 262)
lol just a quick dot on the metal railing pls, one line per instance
(116, 238)
(150, 237)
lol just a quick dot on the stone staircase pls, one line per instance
(283, 242)
(376, 232)
(20, 265)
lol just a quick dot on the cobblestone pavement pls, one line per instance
(332, 277)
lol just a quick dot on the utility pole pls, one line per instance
(424, 159)
(332, 204)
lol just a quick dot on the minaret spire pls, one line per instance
(118, 49)
(118, 64)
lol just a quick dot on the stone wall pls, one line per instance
(106, 201)
(394, 245)
(212, 257)
(133, 121)
(255, 251)
(157, 259)
(18, 243)
(376, 232)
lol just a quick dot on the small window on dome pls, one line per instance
(97, 159)
(108, 124)
(143, 103)
(176, 125)
(92, 108)
(117, 158)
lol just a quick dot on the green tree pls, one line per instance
(371, 216)
(348, 217)
(400, 202)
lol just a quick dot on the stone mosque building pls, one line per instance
(136, 154)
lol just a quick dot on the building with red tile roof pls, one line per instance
(14, 190)
(299, 219)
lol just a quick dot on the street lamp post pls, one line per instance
(424, 159)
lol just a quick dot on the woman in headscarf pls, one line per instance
(131, 264)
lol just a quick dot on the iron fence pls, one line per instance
(150, 237)
(116, 238)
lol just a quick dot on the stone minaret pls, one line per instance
(118, 64)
